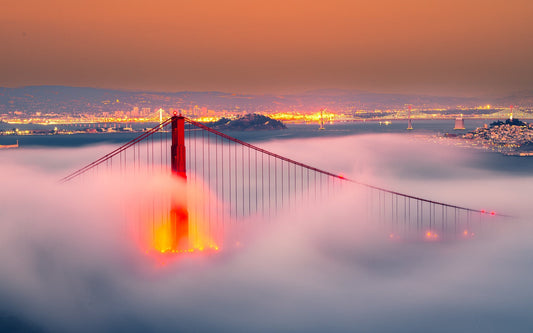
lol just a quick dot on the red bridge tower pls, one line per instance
(179, 216)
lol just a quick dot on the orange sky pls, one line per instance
(431, 46)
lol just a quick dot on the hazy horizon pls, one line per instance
(301, 91)
(456, 48)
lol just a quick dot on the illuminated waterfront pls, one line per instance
(294, 130)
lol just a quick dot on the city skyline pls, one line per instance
(463, 48)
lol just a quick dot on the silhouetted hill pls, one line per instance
(75, 100)
(248, 122)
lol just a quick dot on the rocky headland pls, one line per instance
(249, 122)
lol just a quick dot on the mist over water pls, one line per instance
(69, 264)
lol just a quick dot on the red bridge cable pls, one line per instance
(159, 127)
(115, 152)
(227, 137)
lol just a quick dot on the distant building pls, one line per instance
(459, 123)
(409, 121)
(145, 112)
(409, 124)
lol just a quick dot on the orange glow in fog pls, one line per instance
(165, 239)
(175, 218)
(394, 236)
(431, 236)
(175, 226)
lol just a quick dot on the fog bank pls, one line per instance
(68, 263)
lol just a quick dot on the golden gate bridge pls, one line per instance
(218, 180)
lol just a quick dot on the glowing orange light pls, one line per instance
(198, 240)
(393, 236)
(164, 238)
(492, 213)
(431, 236)
(211, 119)
(482, 211)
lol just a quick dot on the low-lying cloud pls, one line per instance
(67, 263)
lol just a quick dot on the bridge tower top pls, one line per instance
(177, 149)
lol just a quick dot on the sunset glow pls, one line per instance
(440, 47)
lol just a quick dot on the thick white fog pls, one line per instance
(68, 263)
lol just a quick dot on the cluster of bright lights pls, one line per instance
(211, 119)
(294, 116)
(165, 239)
(431, 236)
(191, 250)
(486, 212)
